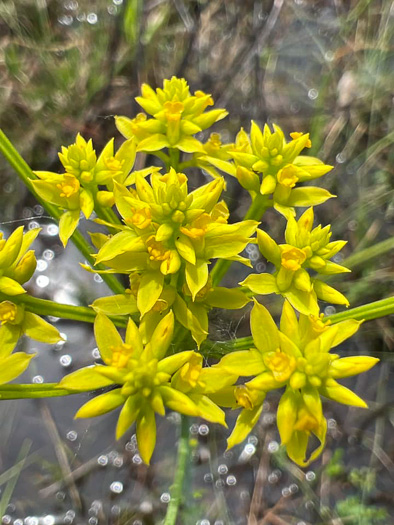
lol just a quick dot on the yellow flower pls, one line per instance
(296, 356)
(146, 381)
(281, 167)
(171, 230)
(177, 115)
(306, 248)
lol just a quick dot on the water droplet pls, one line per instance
(193, 429)
(97, 278)
(203, 430)
(96, 353)
(329, 56)
(41, 265)
(93, 520)
(340, 158)
(301, 523)
(65, 360)
(48, 255)
(286, 492)
(244, 495)
(72, 435)
(102, 460)
(261, 267)
(130, 447)
(32, 225)
(352, 225)
(71, 513)
(116, 487)
(72, 5)
(37, 379)
(231, 480)
(273, 446)
(118, 462)
(8, 187)
(165, 497)
(219, 483)
(310, 475)
(331, 423)
(42, 281)
(117, 2)
(146, 507)
(293, 488)
(250, 449)
(48, 520)
(204, 522)
(273, 478)
(65, 20)
(115, 510)
(52, 230)
(6, 519)
(137, 459)
(329, 310)
(208, 478)
(81, 17)
(38, 209)
(31, 520)
(222, 469)
(18, 522)
(60, 496)
(92, 18)
(313, 94)
(112, 10)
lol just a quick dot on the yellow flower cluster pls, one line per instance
(163, 233)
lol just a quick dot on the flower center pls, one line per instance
(287, 176)
(8, 312)
(292, 258)
(280, 364)
(121, 355)
(69, 186)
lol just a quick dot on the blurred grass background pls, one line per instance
(323, 66)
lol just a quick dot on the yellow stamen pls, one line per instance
(121, 355)
(280, 364)
(292, 258)
(69, 186)
(287, 176)
(8, 312)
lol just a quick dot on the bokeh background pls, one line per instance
(323, 66)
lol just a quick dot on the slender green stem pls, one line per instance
(29, 391)
(256, 211)
(177, 487)
(26, 175)
(173, 158)
(366, 312)
(64, 311)
(371, 252)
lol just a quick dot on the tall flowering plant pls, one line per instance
(172, 241)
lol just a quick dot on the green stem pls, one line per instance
(29, 391)
(64, 311)
(256, 211)
(371, 252)
(173, 158)
(177, 487)
(26, 175)
(367, 312)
